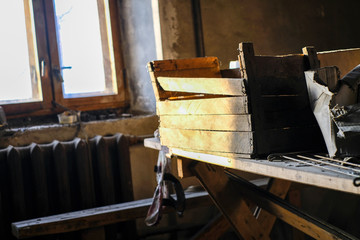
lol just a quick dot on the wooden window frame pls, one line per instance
(44, 20)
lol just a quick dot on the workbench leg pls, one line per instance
(230, 201)
(228, 191)
(279, 188)
(214, 229)
(295, 200)
(220, 224)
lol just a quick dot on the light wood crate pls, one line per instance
(258, 109)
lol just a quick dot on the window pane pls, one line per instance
(86, 62)
(19, 74)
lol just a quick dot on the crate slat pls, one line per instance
(235, 142)
(225, 105)
(217, 86)
(207, 122)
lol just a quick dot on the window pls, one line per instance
(60, 53)
(18, 55)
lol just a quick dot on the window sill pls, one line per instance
(45, 133)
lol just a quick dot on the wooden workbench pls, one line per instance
(232, 194)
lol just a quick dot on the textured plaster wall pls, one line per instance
(279, 26)
(177, 29)
(138, 43)
(275, 27)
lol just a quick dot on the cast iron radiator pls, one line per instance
(46, 179)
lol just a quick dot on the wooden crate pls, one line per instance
(258, 109)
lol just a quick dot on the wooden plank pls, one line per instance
(230, 73)
(182, 165)
(315, 228)
(219, 86)
(218, 226)
(280, 103)
(185, 64)
(214, 229)
(234, 208)
(153, 143)
(286, 170)
(329, 76)
(222, 154)
(294, 197)
(292, 140)
(345, 59)
(279, 188)
(290, 118)
(279, 66)
(235, 142)
(193, 67)
(207, 122)
(248, 65)
(291, 85)
(225, 105)
(97, 217)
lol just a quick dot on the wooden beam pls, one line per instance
(223, 105)
(230, 201)
(208, 122)
(315, 228)
(214, 229)
(96, 217)
(219, 86)
(219, 225)
(279, 188)
(234, 142)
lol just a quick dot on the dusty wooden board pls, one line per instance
(96, 217)
(207, 122)
(225, 105)
(219, 86)
(235, 142)
(345, 59)
(286, 170)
